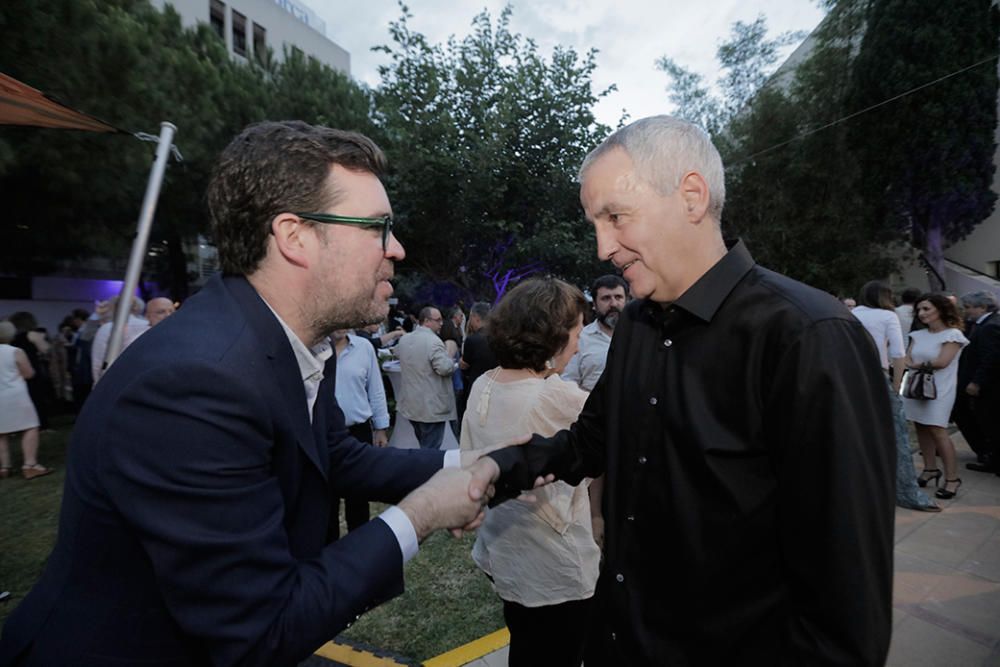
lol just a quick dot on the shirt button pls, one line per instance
(613, 636)
(652, 401)
(630, 517)
(642, 460)
(667, 342)
(619, 578)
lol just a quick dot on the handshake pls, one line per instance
(455, 498)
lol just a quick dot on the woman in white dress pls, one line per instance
(541, 556)
(937, 345)
(17, 413)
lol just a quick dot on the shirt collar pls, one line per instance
(706, 295)
(594, 329)
(350, 344)
(311, 360)
(984, 316)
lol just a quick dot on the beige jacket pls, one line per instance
(426, 393)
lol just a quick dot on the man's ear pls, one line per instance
(694, 193)
(292, 238)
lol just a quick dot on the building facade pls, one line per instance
(250, 27)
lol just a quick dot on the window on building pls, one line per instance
(260, 44)
(217, 17)
(239, 34)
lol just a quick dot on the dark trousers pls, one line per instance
(430, 435)
(985, 409)
(965, 416)
(355, 509)
(549, 636)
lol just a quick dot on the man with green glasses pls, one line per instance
(197, 511)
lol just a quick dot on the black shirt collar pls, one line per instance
(706, 295)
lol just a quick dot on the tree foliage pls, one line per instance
(793, 191)
(928, 156)
(75, 194)
(825, 195)
(745, 59)
(486, 135)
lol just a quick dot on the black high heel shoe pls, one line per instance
(945, 493)
(933, 475)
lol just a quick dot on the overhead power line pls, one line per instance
(862, 111)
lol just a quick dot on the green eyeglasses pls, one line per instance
(385, 222)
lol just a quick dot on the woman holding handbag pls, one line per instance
(936, 346)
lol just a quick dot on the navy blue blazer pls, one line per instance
(195, 523)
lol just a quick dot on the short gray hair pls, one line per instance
(663, 149)
(7, 332)
(981, 299)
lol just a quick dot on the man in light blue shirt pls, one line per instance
(361, 396)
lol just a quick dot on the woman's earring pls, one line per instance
(549, 365)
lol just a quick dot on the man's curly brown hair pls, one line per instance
(273, 168)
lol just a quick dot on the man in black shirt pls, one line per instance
(744, 428)
(477, 356)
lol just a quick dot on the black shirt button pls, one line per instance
(619, 578)
(667, 342)
(642, 460)
(652, 400)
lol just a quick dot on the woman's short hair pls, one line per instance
(946, 309)
(876, 294)
(7, 332)
(532, 322)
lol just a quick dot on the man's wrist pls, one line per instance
(416, 507)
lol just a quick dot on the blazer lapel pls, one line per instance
(284, 367)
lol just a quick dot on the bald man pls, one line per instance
(159, 309)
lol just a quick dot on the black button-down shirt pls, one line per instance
(747, 438)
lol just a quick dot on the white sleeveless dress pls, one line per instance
(17, 412)
(926, 346)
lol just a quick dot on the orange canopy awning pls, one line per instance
(21, 104)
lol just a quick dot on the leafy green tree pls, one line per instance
(746, 59)
(486, 135)
(927, 157)
(75, 194)
(793, 190)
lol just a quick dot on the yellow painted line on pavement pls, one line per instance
(355, 657)
(471, 651)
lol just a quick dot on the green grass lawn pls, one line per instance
(447, 603)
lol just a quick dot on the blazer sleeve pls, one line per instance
(442, 364)
(187, 464)
(385, 474)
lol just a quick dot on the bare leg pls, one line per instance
(946, 449)
(927, 446)
(29, 446)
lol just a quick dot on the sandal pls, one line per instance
(35, 470)
(4, 472)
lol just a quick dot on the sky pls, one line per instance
(630, 35)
